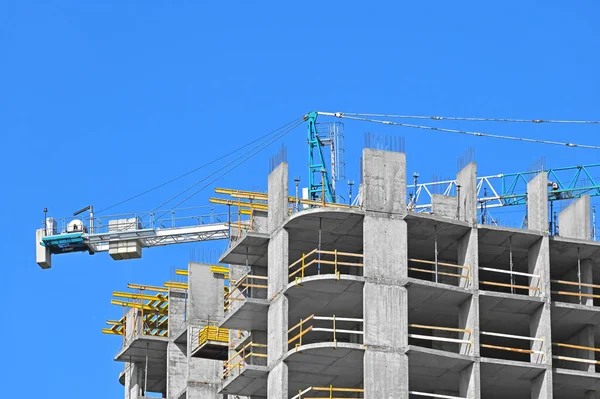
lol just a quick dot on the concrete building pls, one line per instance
(380, 302)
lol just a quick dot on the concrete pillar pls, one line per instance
(541, 386)
(538, 258)
(540, 327)
(444, 206)
(469, 384)
(278, 261)
(467, 180)
(205, 291)
(384, 181)
(574, 221)
(537, 203)
(468, 255)
(386, 374)
(278, 196)
(177, 362)
(584, 337)
(134, 380)
(468, 319)
(385, 299)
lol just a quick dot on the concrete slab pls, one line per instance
(421, 231)
(250, 314)
(251, 381)
(495, 242)
(501, 379)
(324, 364)
(434, 303)
(211, 350)
(432, 369)
(325, 295)
(251, 247)
(568, 384)
(341, 229)
(135, 352)
(563, 255)
(507, 313)
(569, 318)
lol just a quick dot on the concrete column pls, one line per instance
(385, 316)
(468, 319)
(469, 384)
(541, 386)
(386, 375)
(537, 203)
(278, 196)
(468, 255)
(538, 258)
(584, 337)
(385, 247)
(384, 181)
(205, 290)
(134, 380)
(540, 327)
(444, 206)
(574, 221)
(278, 261)
(177, 362)
(467, 180)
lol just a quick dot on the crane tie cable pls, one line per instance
(477, 134)
(452, 118)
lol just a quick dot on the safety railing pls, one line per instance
(210, 333)
(314, 263)
(581, 287)
(245, 287)
(533, 342)
(533, 286)
(576, 359)
(249, 353)
(331, 392)
(434, 395)
(436, 266)
(459, 341)
(332, 331)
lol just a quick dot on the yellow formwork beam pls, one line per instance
(111, 332)
(176, 284)
(128, 295)
(181, 272)
(163, 310)
(250, 205)
(219, 269)
(147, 287)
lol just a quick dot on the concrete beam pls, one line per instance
(467, 180)
(574, 221)
(537, 203)
(383, 181)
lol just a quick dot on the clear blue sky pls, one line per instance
(104, 99)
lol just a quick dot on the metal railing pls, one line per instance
(576, 359)
(535, 288)
(331, 391)
(237, 363)
(442, 339)
(580, 294)
(244, 288)
(434, 395)
(533, 341)
(314, 260)
(307, 325)
(436, 264)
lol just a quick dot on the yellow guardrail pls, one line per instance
(315, 258)
(213, 333)
(334, 330)
(239, 360)
(243, 288)
(443, 264)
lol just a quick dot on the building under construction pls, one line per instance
(383, 298)
(375, 301)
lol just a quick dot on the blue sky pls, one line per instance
(104, 99)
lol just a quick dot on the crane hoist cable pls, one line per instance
(263, 137)
(477, 134)
(251, 153)
(469, 119)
